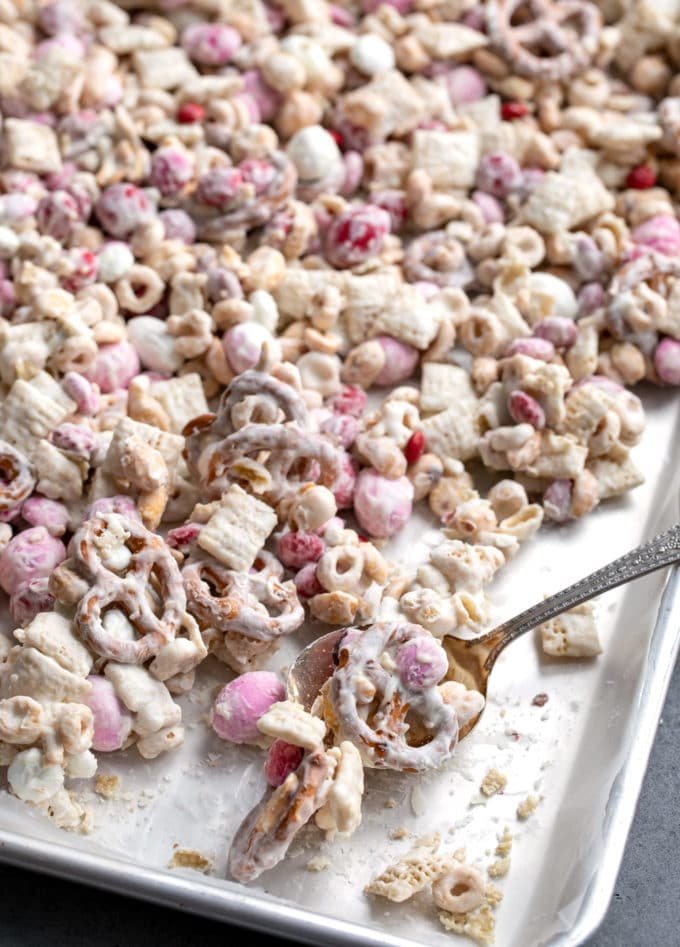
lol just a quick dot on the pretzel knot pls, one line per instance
(393, 725)
(132, 570)
(16, 478)
(256, 605)
(266, 833)
(542, 39)
(291, 450)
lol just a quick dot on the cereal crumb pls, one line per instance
(493, 782)
(499, 868)
(399, 833)
(504, 843)
(318, 863)
(391, 803)
(540, 700)
(187, 858)
(478, 925)
(106, 786)
(526, 807)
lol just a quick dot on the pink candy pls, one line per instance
(535, 348)
(660, 233)
(557, 501)
(350, 400)
(382, 506)
(30, 599)
(343, 427)
(40, 511)
(499, 174)
(75, 439)
(354, 171)
(210, 44)
(306, 581)
(219, 187)
(560, 331)
(490, 206)
(112, 723)
(299, 547)
(182, 537)
(241, 703)
(401, 6)
(114, 366)
(57, 214)
(85, 395)
(282, 760)
(401, 361)
(31, 554)
(590, 297)
(343, 488)
(178, 225)
(526, 410)
(667, 361)
(171, 169)
(119, 504)
(243, 343)
(267, 99)
(121, 208)
(356, 235)
(464, 84)
(422, 663)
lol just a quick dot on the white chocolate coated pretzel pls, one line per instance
(16, 477)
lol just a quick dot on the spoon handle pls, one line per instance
(659, 552)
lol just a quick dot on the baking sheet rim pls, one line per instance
(270, 914)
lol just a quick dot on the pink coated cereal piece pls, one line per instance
(61, 16)
(241, 703)
(382, 506)
(526, 410)
(588, 259)
(267, 99)
(341, 16)
(356, 235)
(57, 214)
(171, 169)
(219, 187)
(491, 208)
(401, 6)
(114, 366)
(81, 269)
(590, 297)
(74, 439)
(464, 84)
(57, 180)
(667, 361)
(119, 504)
(82, 391)
(421, 663)
(112, 723)
(31, 554)
(17, 206)
(535, 348)
(498, 174)
(394, 202)
(401, 361)
(243, 343)
(178, 225)
(70, 46)
(557, 501)
(299, 547)
(30, 599)
(282, 760)
(41, 511)
(210, 44)
(182, 537)
(306, 581)
(259, 173)
(123, 207)
(660, 233)
(350, 400)
(601, 381)
(343, 488)
(222, 284)
(343, 427)
(560, 331)
(354, 171)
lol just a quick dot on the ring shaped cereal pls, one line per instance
(437, 258)
(256, 605)
(266, 387)
(16, 479)
(139, 576)
(393, 726)
(554, 41)
(291, 451)
(266, 833)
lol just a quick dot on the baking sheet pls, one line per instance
(571, 752)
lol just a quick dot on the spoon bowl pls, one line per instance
(472, 660)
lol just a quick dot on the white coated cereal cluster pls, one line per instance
(224, 227)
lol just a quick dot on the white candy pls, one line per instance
(154, 344)
(545, 284)
(314, 152)
(115, 260)
(32, 779)
(320, 372)
(371, 55)
(265, 310)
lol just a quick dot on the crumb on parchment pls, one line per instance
(493, 782)
(107, 786)
(500, 867)
(478, 925)
(188, 858)
(527, 807)
(317, 863)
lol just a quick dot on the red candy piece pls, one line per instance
(641, 178)
(190, 112)
(299, 547)
(414, 447)
(513, 110)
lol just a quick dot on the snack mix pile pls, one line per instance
(223, 225)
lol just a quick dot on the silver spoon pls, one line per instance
(471, 661)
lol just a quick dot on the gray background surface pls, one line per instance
(37, 911)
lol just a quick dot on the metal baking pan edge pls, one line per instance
(211, 899)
